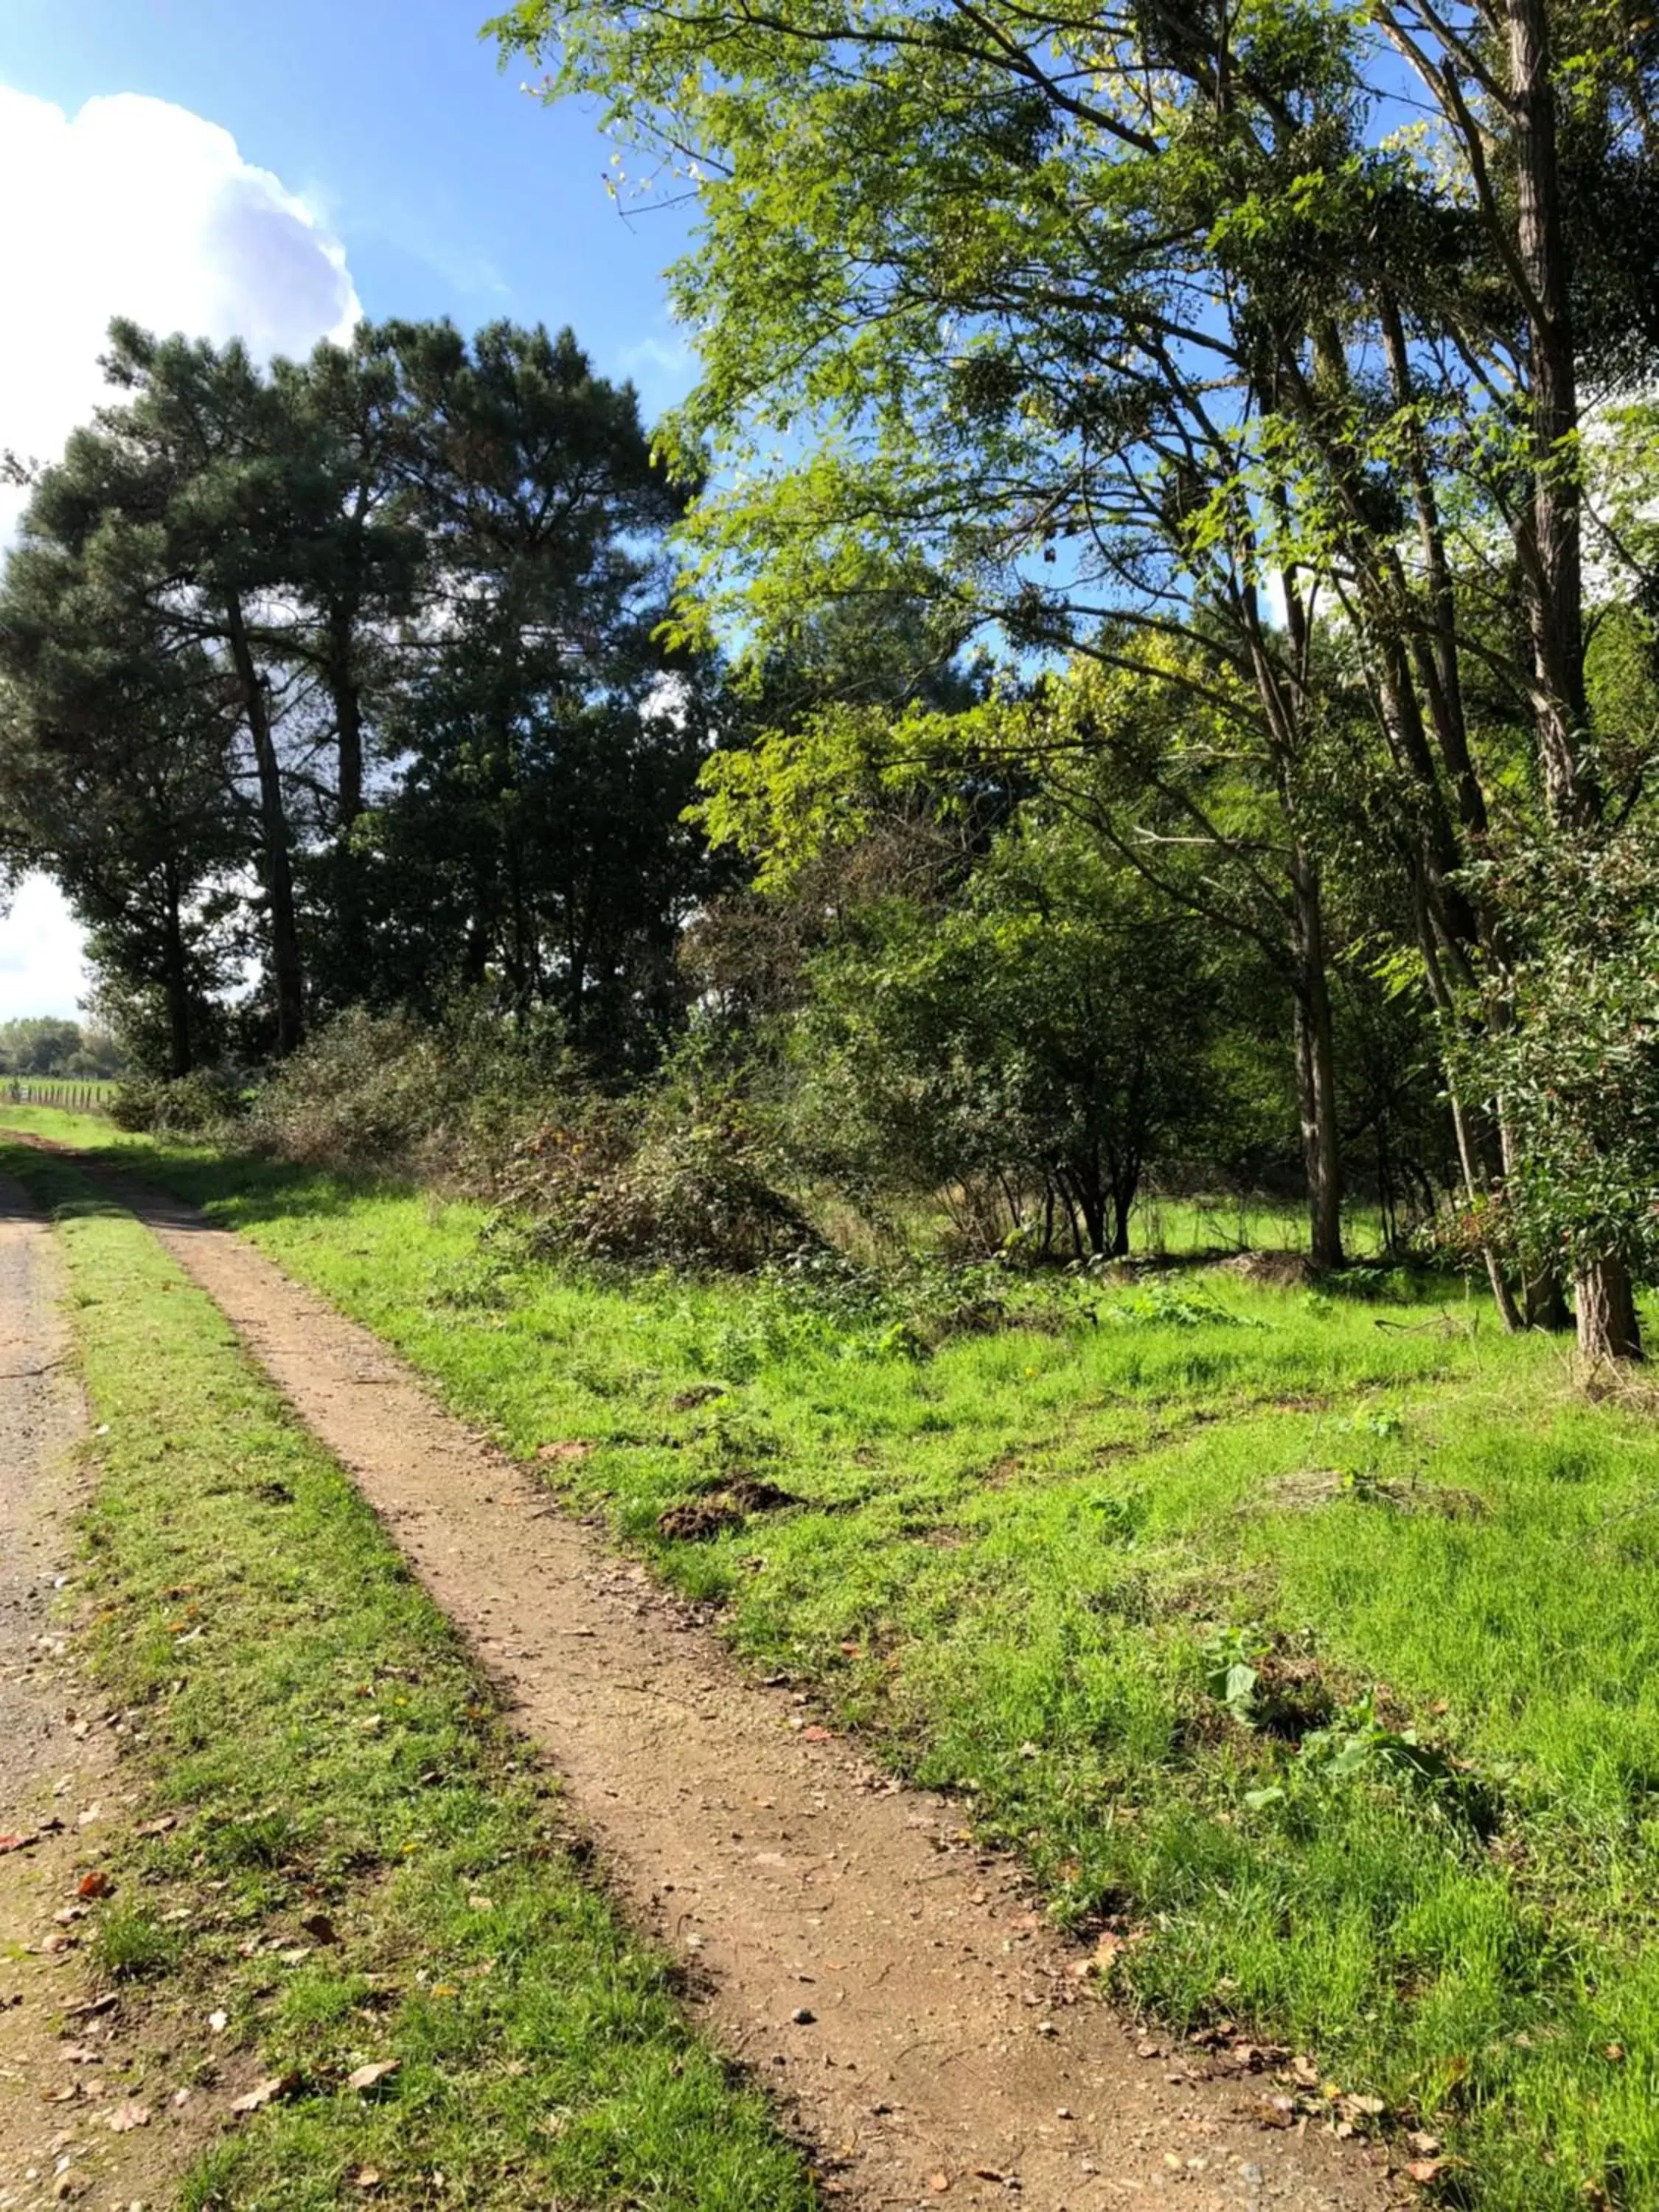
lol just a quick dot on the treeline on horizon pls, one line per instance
(51, 1045)
(1138, 658)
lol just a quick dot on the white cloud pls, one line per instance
(42, 964)
(131, 207)
(136, 207)
(663, 368)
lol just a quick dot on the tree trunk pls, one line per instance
(276, 857)
(1551, 549)
(1550, 540)
(1543, 1300)
(1316, 1066)
(1088, 1195)
(176, 980)
(351, 932)
(1125, 1188)
(1607, 1326)
(348, 720)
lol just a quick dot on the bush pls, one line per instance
(660, 1184)
(391, 1095)
(184, 1106)
(369, 1091)
(662, 1177)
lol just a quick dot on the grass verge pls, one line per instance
(1308, 1644)
(364, 1869)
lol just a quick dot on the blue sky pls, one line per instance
(271, 170)
(453, 190)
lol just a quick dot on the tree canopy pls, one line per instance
(1219, 346)
(346, 672)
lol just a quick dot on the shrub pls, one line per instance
(660, 1184)
(185, 1106)
(387, 1093)
(136, 1103)
(369, 1090)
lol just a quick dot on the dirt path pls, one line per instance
(70, 2058)
(843, 1938)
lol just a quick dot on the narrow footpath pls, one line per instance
(842, 1936)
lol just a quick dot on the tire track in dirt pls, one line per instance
(842, 1939)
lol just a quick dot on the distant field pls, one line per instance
(73, 1093)
(1183, 1226)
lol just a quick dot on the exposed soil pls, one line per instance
(842, 1936)
(75, 2059)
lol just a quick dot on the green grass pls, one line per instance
(308, 1720)
(76, 1093)
(1023, 1563)
(1181, 1227)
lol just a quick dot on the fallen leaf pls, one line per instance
(548, 1454)
(157, 1827)
(19, 1839)
(1424, 2144)
(938, 2183)
(218, 2021)
(95, 1884)
(366, 2177)
(1425, 2170)
(129, 2116)
(265, 2093)
(1364, 2108)
(815, 1735)
(365, 2078)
